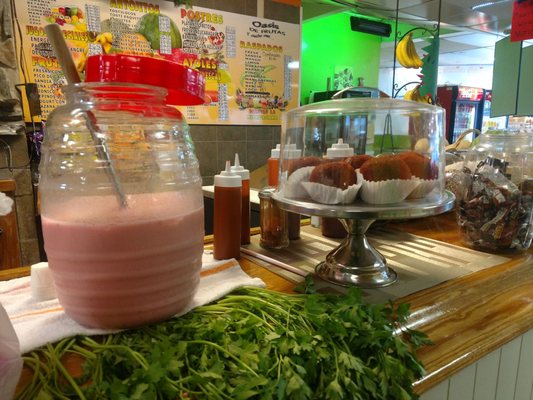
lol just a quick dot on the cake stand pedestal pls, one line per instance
(355, 262)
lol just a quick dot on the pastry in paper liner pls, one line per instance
(325, 194)
(385, 192)
(425, 186)
(293, 187)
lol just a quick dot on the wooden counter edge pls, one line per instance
(7, 185)
(12, 273)
(469, 317)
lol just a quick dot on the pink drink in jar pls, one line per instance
(119, 267)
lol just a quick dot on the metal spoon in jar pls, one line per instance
(55, 36)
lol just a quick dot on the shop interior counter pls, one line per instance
(473, 319)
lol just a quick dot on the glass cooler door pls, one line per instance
(465, 118)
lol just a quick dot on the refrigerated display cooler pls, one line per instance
(464, 109)
(486, 121)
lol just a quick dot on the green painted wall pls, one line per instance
(329, 42)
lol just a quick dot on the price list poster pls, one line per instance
(251, 64)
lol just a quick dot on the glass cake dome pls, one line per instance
(402, 140)
(359, 160)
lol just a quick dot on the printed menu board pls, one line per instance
(250, 63)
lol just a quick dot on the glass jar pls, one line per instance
(121, 204)
(273, 222)
(495, 209)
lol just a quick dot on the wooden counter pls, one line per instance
(467, 318)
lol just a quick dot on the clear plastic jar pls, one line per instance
(121, 261)
(273, 222)
(495, 210)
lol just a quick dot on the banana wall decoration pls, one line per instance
(415, 95)
(406, 53)
(408, 57)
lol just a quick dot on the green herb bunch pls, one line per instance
(251, 344)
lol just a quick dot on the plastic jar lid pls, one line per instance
(185, 86)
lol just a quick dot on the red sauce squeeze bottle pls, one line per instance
(273, 166)
(245, 209)
(227, 215)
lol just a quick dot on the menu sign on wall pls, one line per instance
(248, 62)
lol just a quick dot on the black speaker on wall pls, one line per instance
(369, 26)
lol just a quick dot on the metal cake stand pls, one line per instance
(355, 262)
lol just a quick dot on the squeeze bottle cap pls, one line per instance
(291, 152)
(239, 169)
(227, 178)
(339, 150)
(274, 153)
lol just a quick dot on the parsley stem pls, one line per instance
(65, 373)
(83, 352)
(223, 350)
(136, 356)
(217, 391)
(215, 308)
(231, 300)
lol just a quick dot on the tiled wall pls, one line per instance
(216, 144)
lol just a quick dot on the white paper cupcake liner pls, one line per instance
(331, 195)
(425, 186)
(293, 186)
(386, 192)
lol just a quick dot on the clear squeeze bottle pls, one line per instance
(245, 209)
(332, 227)
(227, 215)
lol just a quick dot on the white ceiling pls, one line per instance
(474, 30)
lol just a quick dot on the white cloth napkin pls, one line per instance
(38, 323)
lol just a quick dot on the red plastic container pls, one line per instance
(185, 85)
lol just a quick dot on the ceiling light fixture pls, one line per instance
(488, 4)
